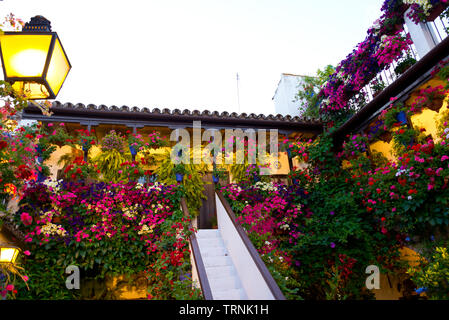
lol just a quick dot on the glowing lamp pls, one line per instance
(34, 61)
(8, 253)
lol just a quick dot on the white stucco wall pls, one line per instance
(285, 95)
(251, 279)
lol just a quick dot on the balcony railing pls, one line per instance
(436, 31)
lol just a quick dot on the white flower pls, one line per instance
(409, 197)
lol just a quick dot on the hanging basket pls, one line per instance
(402, 117)
(435, 105)
(437, 11)
(133, 150)
(386, 137)
(179, 177)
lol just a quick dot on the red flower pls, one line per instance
(3, 144)
(26, 218)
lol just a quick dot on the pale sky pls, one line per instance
(185, 53)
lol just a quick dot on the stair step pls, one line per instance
(208, 233)
(219, 261)
(224, 283)
(220, 272)
(210, 242)
(232, 294)
(214, 252)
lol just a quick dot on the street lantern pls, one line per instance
(33, 60)
(8, 253)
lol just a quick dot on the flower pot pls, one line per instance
(215, 178)
(56, 220)
(39, 149)
(40, 177)
(437, 11)
(402, 117)
(435, 104)
(133, 150)
(179, 177)
(386, 137)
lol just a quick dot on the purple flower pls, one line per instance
(332, 213)
(332, 245)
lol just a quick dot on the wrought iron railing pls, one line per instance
(438, 29)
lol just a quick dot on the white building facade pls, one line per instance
(284, 97)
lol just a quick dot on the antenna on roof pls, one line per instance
(238, 93)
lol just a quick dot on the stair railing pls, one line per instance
(256, 279)
(198, 268)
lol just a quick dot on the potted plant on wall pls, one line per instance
(179, 170)
(112, 156)
(218, 173)
(377, 86)
(404, 64)
(431, 98)
(135, 142)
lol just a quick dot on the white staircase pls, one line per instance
(223, 279)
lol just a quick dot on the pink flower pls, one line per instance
(443, 158)
(10, 287)
(26, 218)
(25, 278)
(26, 252)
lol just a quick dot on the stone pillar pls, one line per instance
(422, 35)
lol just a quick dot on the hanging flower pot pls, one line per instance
(435, 104)
(386, 137)
(40, 177)
(402, 117)
(39, 149)
(133, 150)
(56, 220)
(215, 178)
(437, 11)
(179, 177)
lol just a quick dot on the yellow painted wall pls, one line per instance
(427, 119)
(385, 148)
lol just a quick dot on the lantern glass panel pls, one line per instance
(8, 255)
(58, 68)
(24, 55)
(32, 90)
